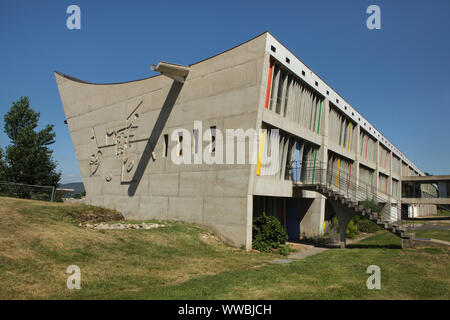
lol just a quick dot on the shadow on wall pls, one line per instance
(154, 136)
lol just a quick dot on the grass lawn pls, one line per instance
(40, 240)
(445, 213)
(434, 234)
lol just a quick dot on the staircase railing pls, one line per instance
(343, 182)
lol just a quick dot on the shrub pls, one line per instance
(372, 205)
(319, 240)
(284, 250)
(352, 230)
(365, 225)
(268, 233)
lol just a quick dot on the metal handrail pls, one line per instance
(317, 173)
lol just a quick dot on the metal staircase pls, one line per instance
(355, 195)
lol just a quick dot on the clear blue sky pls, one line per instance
(397, 77)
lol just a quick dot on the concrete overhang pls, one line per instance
(435, 201)
(175, 71)
(425, 179)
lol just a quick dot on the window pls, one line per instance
(303, 72)
(273, 48)
(288, 60)
(180, 144)
(166, 145)
(195, 141)
(213, 138)
(280, 91)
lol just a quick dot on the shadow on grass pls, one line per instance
(373, 246)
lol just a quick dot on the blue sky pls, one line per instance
(397, 77)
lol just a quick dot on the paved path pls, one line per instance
(302, 254)
(306, 250)
(437, 241)
(306, 253)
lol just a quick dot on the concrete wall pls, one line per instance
(222, 91)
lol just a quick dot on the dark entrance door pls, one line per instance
(293, 219)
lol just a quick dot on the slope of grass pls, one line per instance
(39, 241)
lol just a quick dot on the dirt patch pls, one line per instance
(92, 214)
(210, 239)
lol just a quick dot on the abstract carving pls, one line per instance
(121, 138)
(94, 162)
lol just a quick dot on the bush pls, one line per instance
(284, 250)
(352, 230)
(372, 205)
(367, 226)
(268, 233)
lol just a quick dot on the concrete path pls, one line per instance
(430, 226)
(307, 250)
(437, 241)
(304, 251)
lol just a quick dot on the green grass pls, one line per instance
(433, 234)
(40, 240)
(444, 213)
(334, 274)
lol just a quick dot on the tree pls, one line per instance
(2, 165)
(28, 158)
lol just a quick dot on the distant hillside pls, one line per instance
(78, 187)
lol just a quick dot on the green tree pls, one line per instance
(2, 165)
(28, 158)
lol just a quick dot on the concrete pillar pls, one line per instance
(323, 152)
(344, 215)
(408, 243)
(312, 214)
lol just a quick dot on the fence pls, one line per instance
(27, 191)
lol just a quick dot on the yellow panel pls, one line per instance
(260, 154)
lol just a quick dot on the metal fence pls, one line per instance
(306, 173)
(27, 191)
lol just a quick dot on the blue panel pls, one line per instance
(293, 219)
(297, 162)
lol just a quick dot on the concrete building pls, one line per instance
(122, 138)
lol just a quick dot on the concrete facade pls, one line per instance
(122, 132)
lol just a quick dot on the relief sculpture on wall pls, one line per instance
(121, 138)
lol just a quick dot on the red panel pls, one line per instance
(269, 83)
